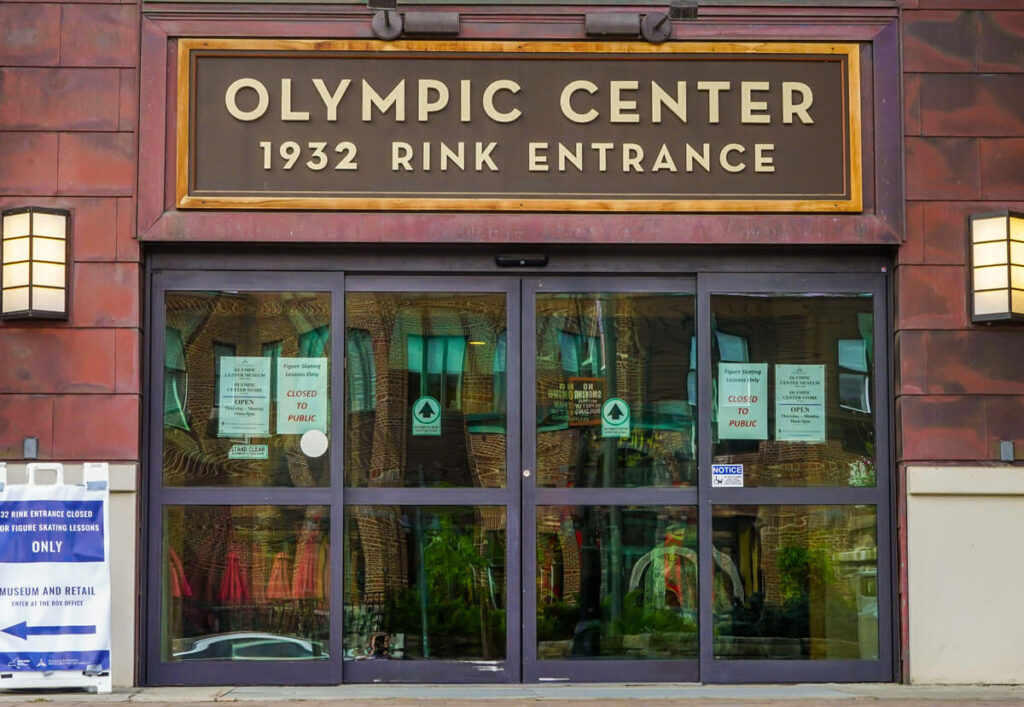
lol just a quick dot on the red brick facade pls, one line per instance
(959, 388)
(68, 116)
(69, 121)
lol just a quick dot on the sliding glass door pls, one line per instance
(503, 479)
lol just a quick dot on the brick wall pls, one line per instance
(960, 387)
(68, 113)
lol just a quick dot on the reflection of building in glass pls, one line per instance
(803, 571)
(635, 346)
(228, 555)
(450, 347)
(208, 326)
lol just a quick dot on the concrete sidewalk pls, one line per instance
(604, 695)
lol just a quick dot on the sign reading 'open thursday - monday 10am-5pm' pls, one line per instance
(677, 127)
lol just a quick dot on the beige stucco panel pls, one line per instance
(123, 576)
(965, 531)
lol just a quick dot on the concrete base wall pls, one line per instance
(965, 534)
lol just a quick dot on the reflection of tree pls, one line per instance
(456, 570)
(455, 607)
(802, 565)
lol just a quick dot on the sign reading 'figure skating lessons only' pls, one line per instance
(687, 126)
(55, 580)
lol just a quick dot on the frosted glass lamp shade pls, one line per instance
(34, 275)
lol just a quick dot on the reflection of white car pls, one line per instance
(252, 646)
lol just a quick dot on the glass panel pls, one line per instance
(992, 277)
(616, 582)
(48, 249)
(246, 379)
(15, 250)
(636, 348)
(49, 225)
(245, 583)
(47, 275)
(795, 582)
(425, 407)
(17, 225)
(993, 302)
(792, 389)
(425, 583)
(15, 300)
(16, 275)
(988, 229)
(991, 253)
(48, 299)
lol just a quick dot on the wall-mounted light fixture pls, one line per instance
(34, 282)
(997, 266)
(388, 23)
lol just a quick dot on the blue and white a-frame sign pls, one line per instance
(55, 580)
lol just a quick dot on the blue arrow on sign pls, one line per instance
(23, 630)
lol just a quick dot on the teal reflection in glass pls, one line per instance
(636, 347)
(616, 582)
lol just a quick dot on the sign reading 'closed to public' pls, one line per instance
(512, 126)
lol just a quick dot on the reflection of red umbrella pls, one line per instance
(305, 584)
(234, 588)
(179, 583)
(280, 572)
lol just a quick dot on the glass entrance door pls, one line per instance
(795, 483)
(610, 519)
(706, 486)
(432, 540)
(474, 479)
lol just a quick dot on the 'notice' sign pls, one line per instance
(285, 124)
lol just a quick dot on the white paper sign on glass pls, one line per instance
(244, 396)
(743, 401)
(727, 475)
(301, 395)
(800, 402)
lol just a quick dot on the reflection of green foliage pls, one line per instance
(798, 566)
(813, 594)
(639, 617)
(556, 621)
(461, 620)
(454, 626)
(861, 471)
(453, 563)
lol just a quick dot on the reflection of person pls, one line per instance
(380, 646)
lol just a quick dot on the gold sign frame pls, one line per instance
(850, 202)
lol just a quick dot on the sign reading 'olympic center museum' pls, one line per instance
(296, 124)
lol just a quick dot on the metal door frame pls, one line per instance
(775, 671)
(521, 287)
(611, 670)
(156, 495)
(509, 497)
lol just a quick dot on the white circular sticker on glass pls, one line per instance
(313, 443)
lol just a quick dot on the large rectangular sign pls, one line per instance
(302, 124)
(55, 577)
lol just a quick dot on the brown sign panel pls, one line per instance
(585, 397)
(364, 125)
